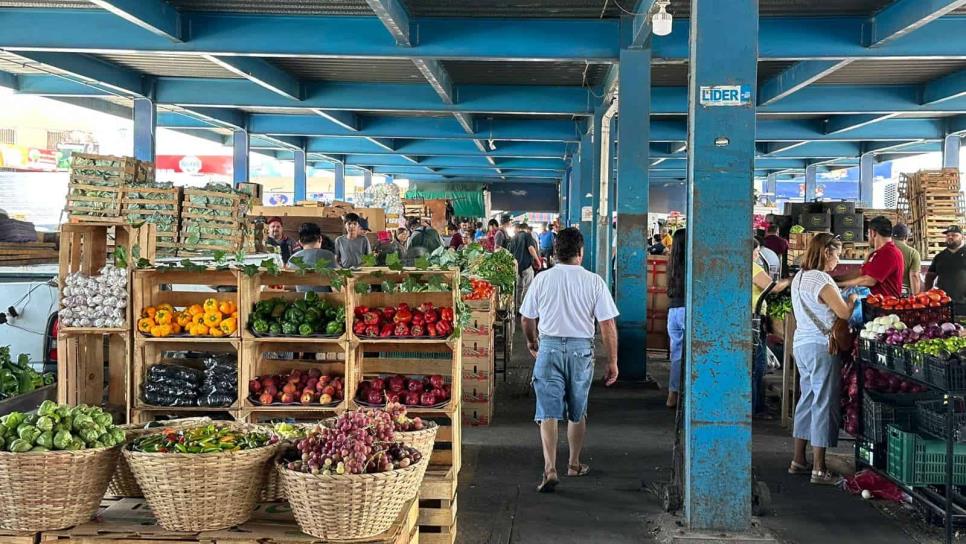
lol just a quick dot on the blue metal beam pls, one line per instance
(221, 117)
(300, 175)
(240, 154)
(945, 88)
(395, 17)
(905, 16)
(641, 23)
(340, 181)
(952, 149)
(437, 76)
(155, 16)
(811, 182)
(347, 120)
(717, 431)
(866, 179)
(9, 81)
(632, 196)
(956, 125)
(797, 77)
(262, 73)
(145, 128)
(90, 70)
(839, 124)
(417, 148)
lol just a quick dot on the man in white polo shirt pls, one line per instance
(562, 304)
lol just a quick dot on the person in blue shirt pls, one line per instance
(548, 239)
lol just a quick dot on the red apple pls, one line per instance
(266, 398)
(307, 398)
(325, 399)
(378, 384)
(427, 399)
(447, 390)
(412, 399)
(311, 383)
(309, 391)
(254, 386)
(436, 380)
(415, 387)
(287, 398)
(325, 378)
(270, 389)
(397, 383)
(269, 380)
(329, 390)
(315, 373)
(337, 383)
(290, 388)
(392, 396)
(374, 397)
(364, 386)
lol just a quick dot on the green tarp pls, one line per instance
(467, 198)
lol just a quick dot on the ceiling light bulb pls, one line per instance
(492, 145)
(661, 21)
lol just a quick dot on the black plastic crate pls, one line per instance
(881, 355)
(897, 361)
(917, 365)
(911, 318)
(931, 418)
(867, 350)
(880, 410)
(873, 454)
(945, 376)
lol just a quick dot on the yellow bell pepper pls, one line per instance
(149, 312)
(210, 305)
(216, 332)
(226, 307)
(145, 324)
(167, 307)
(195, 309)
(228, 326)
(163, 317)
(183, 319)
(213, 319)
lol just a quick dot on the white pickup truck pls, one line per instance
(28, 313)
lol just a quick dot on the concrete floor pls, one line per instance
(628, 447)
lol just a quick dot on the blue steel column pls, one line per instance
(564, 218)
(145, 128)
(592, 238)
(609, 233)
(721, 142)
(239, 142)
(866, 177)
(573, 193)
(771, 186)
(586, 187)
(300, 175)
(340, 181)
(811, 182)
(366, 179)
(633, 191)
(952, 147)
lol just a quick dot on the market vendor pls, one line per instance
(948, 269)
(277, 238)
(882, 272)
(312, 255)
(351, 246)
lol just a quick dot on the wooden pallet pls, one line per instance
(131, 521)
(108, 176)
(133, 210)
(13, 254)
(437, 506)
(231, 218)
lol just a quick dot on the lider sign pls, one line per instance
(726, 95)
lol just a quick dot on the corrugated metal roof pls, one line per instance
(799, 8)
(589, 9)
(525, 73)
(929, 114)
(13, 64)
(893, 72)
(63, 4)
(286, 7)
(329, 69)
(170, 65)
(283, 111)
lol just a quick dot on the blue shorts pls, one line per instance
(562, 376)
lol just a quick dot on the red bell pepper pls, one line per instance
(444, 328)
(402, 306)
(430, 316)
(361, 310)
(372, 318)
(431, 329)
(403, 315)
(359, 327)
(446, 314)
(386, 330)
(425, 307)
(416, 330)
(388, 313)
(401, 329)
(418, 318)
(372, 330)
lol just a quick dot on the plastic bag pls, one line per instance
(857, 319)
(169, 372)
(880, 487)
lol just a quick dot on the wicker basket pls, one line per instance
(350, 506)
(53, 490)
(123, 483)
(272, 490)
(203, 491)
(423, 440)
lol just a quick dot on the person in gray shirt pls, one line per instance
(350, 247)
(312, 254)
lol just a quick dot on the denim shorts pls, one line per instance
(562, 376)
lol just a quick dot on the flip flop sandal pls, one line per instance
(825, 478)
(547, 485)
(798, 469)
(581, 470)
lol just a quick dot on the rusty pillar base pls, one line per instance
(668, 529)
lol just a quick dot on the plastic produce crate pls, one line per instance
(872, 454)
(945, 376)
(916, 461)
(932, 419)
(897, 361)
(881, 355)
(880, 410)
(911, 318)
(867, 350)
(917, 365)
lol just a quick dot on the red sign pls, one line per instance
(195, 164)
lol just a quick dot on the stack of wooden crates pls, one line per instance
(479, 376)
(931, 201)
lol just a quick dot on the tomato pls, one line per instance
(945, 299)
(918, 306)
(874, 300)
(935, 304)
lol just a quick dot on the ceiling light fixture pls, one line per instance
(661, 21)
(492, 144)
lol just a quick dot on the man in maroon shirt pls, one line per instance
(775, 242)
(882, 273)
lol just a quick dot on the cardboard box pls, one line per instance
(478, 351)
(476, 390)
(477, 413)
(480, 326)
(816, 222)
(840, 207)
(851, 234)
(847, 221)
(477, 371)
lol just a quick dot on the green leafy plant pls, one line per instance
(369, 260)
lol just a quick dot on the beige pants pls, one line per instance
(524, 279)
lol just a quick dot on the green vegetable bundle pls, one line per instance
(17, 378)
(59, 427)
(797, 229)
(779, 306)
(307, 317)
(497, 267)
(205, 439)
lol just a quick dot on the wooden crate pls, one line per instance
(108, 176)
(130, 521)
(437, 506)
(27, 253)
(81, 362)
(196, 214)
(151, 351)
(376, 276)
(274, 356)
(182, 288)
(478, 413)
(134, 202)
(265, 286)
(657, 302)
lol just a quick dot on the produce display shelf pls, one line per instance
(92, 330)
(296, 340)
(412, 341)
(927, 497)
(152, 408)
(189, 339)
(451, 409)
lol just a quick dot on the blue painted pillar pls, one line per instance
(366, 179)
(633, 190)
(609, 233)
(721, 142)
(340, 181)
(586, 187)
(952, 147)
(595, 190)
(573, 195)
(388, 179)
(564, 208)
(239, 162)
(811, 182)
(300, 175)
(145, 129)
(771, 187)
(866, 178)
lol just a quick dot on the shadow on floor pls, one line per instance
(630, 434)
